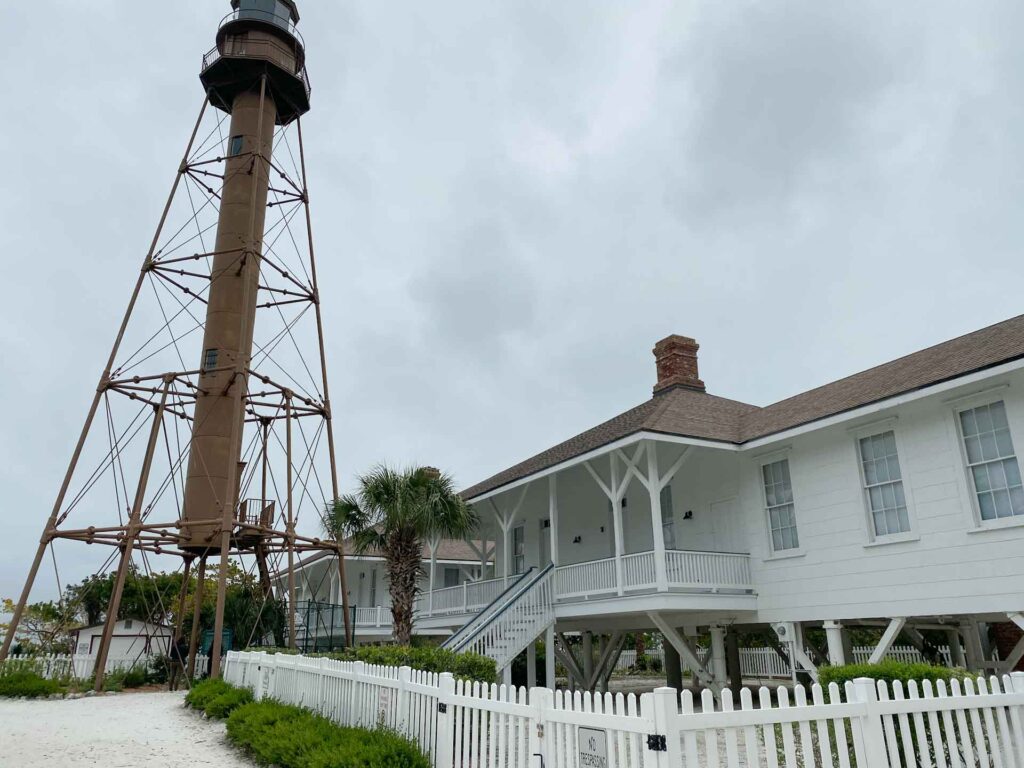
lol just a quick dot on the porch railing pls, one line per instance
(694, 571)
(581, 580)
(465, 598)
(685, 570)
(708, 571)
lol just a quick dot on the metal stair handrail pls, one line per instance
(479, 625)
(468, 626)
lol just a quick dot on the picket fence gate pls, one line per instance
(864, 724)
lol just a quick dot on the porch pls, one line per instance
(686, 572)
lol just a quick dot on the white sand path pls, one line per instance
(134, 730)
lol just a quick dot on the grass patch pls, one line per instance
(28, 685)
(289, 737)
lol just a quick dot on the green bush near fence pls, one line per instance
(25, 684)
(464, 666)
(890, 671)
(217, 698)
(289, 737)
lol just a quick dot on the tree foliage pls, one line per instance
(396, 512)
(46, 627)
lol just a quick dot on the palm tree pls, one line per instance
(394, 513)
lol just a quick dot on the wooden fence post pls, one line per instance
(443, 755)
(402, 703)
(872, 734)
(321, 682)
(543, 701)
(357, 680)
(665, 745)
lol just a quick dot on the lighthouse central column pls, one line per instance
(213, 476)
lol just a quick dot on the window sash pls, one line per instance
(992, 461)
(778, 493)
(882, 476)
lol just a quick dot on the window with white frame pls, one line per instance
(519, 549)
(992, 462)
(778, 494)
(668, 519)
(883, 484)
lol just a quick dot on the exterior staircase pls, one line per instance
(512, 621)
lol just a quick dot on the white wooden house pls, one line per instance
(132, 639)
(447, 564)
(891, 498)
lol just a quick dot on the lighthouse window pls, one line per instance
(210, 359)
(237, 144)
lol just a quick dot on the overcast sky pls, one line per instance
(514, 201)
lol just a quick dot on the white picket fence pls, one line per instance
(763, 663)
(80, 666)
(462, 725)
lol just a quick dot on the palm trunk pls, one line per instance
(404, 559)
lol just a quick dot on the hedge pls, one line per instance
(24, 684)
(465, 666)
(289, 737)
(889, 670)
(217, 698)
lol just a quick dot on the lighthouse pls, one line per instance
(257, 74)
(234, 415)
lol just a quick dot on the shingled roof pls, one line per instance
(687, 412)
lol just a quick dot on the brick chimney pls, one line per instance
(676, 358)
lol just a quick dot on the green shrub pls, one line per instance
(121, 679)
(204, 692)
(889, 670)
(159, 671)
(465, 666)
(27, 684)
(223, 705)
(289, 737)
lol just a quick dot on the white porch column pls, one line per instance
(553, 519)
(836, 650)
(620, 580)
(549, 657)
(588, 656)
(654, 487)
(505, 523)
(718, 666)
(531, 665)
(433, 544)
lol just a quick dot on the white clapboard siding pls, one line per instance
(866, 724)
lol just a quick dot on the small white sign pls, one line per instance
(593, 748)
(383, 704)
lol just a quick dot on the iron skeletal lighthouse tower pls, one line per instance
(217, 462)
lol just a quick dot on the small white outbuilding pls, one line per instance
(132, 638)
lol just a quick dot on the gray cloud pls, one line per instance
(513, 203)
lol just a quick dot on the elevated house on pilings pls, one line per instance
(889, 499)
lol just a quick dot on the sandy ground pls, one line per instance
(129, 730)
